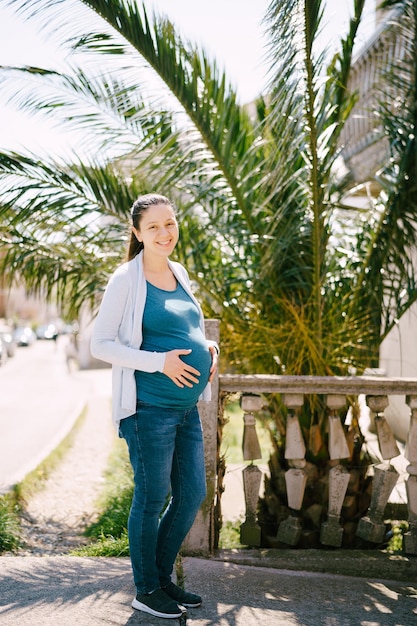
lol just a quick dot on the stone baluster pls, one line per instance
(250, 531)
(386, 440)
(331, 530)
(371, 527)
(289, 530)
(338, 447)
(410, 537)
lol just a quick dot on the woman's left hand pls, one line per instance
(214, 359)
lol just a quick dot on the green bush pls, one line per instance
(398, 528)
(230, 535)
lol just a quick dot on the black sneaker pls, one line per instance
(157, 603)
(192, 600)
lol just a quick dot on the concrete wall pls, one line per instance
(398, 357)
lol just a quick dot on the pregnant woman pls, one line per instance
(151, 329)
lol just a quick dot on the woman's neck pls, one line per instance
(159, 274)
(155, 265)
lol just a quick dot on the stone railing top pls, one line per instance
(347, 385)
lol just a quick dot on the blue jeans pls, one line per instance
(167, 456)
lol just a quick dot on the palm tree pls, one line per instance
(274, 254)
(263, 188)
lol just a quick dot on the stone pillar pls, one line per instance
(200, 539)
(250, 531)
(295, 448)
(410, 537)
(371, 527)
(331, 530)
(289, 530)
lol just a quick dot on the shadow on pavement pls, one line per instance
(74, 591)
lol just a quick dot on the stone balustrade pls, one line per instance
(292, 390)
(336, 389)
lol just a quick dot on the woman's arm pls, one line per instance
(105, 341)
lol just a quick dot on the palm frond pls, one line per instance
(70, 252)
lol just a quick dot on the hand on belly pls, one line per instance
(178, 370)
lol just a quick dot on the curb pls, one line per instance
(356, 563)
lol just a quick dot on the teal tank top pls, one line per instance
(171, 321)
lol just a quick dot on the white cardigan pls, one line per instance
(117, 333)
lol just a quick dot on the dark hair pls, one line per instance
(138, 209)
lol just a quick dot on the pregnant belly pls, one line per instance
(157, 389)
(200, 358)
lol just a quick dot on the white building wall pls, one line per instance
(398, 357)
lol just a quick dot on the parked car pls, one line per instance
(47, 331)
(24, 336)
(6, 335)
(3, 353)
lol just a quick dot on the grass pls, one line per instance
(229, 537)
(9, 523)
(105, 546)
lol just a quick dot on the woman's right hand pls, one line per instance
(182, 374)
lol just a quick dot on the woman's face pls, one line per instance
(158, 230)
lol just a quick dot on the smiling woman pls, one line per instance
(151, 329)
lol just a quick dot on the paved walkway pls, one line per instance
(72, 591)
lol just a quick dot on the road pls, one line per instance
(40, 399)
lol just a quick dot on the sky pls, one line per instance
(230, 30)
